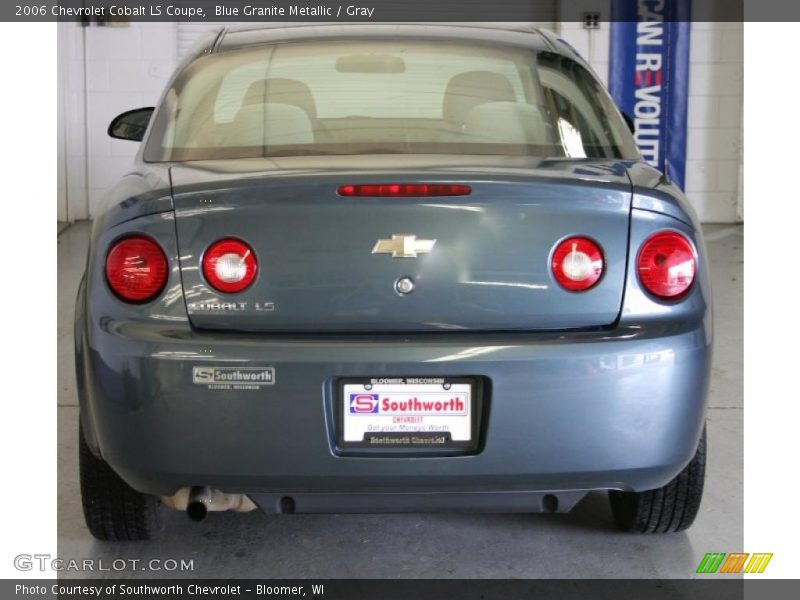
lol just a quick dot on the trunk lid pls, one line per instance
(489, 268)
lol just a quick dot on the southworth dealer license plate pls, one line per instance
(407, 412)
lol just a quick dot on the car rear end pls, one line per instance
(469, 304)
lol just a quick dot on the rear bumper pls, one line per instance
(399, 502)
(566, 413)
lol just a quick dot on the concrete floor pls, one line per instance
(582, 543)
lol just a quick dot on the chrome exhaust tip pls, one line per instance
(198, 501)
(196, 508)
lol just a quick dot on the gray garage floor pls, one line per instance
(580, 544)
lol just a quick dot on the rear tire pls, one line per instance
(113, 510)
(669, 508)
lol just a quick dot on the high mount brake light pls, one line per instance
(666, 265)
(404, 190)
(229, 265)
(577, 264)
(136, 269)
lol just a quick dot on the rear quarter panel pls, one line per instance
(140, 202)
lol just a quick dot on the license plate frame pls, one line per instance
(433, 447)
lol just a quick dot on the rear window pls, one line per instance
(386, 97)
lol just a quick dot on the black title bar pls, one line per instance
(712, 588)
(109, 11)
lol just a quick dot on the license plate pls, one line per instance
(407, 412)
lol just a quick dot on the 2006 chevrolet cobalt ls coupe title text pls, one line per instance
(374, 268)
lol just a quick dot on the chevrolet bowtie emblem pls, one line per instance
(403, 246)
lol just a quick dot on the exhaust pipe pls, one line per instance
(198, 501)
(196, 506)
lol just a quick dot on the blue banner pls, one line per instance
(649, 77)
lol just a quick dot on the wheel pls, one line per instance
(669, 508)
(113, 510)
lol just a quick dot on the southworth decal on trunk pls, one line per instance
(649, 77)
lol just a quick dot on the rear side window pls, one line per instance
(580, 107)
(385, 97)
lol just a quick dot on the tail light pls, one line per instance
(666, 265)
(404, 190)
(136, 269)
(229, 265)
(577, 264)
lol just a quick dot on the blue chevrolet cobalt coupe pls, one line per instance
(390, 268)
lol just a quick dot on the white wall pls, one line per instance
(126, 67)
(73, 189)
(103, 71)
(61, 152)
(713, 154)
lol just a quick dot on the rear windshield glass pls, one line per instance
(386, 97)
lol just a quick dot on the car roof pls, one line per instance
(518, 34)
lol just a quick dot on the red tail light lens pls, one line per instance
(136, 269)
(229, 265)
(577, 264)
(404, 190)
(667, 265)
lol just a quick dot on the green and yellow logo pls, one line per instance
(720, 562)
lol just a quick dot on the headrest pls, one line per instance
(467, 90)
(283, 91)
(506, 122)
(269, 124)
